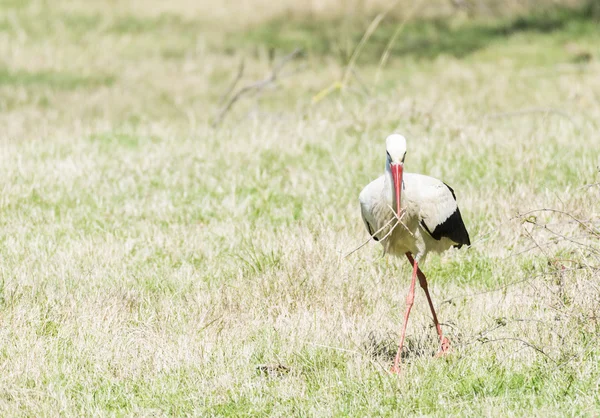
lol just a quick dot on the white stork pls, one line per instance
(412, 214)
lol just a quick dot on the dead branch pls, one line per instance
(256, 87)
(481, 335)
(537, 245)
(237, 78)
(373, 235)
(502, 322)
(546, 244)
(470, 295)
(580, 222)
(526, 343)
(587, 186)
(398, 220)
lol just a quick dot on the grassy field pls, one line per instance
(159, 260)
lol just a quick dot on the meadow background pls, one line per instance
(165, 253)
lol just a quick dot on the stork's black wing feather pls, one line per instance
(453, 227)
(451, 191)
(371, 231)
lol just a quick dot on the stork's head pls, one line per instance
(395, 145)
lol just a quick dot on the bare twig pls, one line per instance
(373, 235)
(539, 322)
(526, 343)
(571, 239)
(257, 86)
(546, 244)
(483, 237)
(481, 334)
(502, 322)
(586, 226)
(399, 217)
(470, 295)
(587, 186)
(237, 78)
(537, 244)
(398, 222)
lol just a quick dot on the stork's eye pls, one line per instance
(389, 156)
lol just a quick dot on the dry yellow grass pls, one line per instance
(153, 265)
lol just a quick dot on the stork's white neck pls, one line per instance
(389, 189)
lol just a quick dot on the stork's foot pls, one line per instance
(395, 370)
(445, 348)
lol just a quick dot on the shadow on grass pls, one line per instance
(422, 39)
(384, 347)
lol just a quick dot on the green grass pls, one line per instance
(154, 265)
(52, 79)
(424, 39)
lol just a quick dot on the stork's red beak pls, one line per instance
(397, 170)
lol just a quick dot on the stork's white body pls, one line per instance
(412, 214)
(427, 204)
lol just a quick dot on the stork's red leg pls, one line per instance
(444, 342)
(410, 298)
